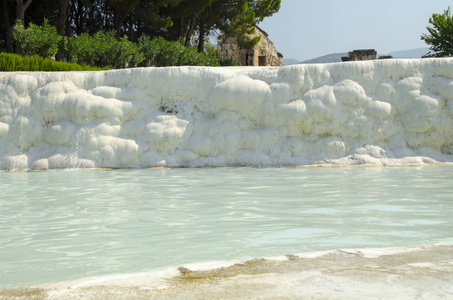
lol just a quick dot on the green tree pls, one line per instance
(5, 24)
(185, 18)
(121, 9)
(440, 35)
(147, 19)
(251, 13)
(86, 16)
(171, 19)
(21, 7)
(235, 18)
(242, 26)
(62, 16)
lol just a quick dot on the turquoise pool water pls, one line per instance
(70, 224)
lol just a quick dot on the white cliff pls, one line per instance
(376, 112)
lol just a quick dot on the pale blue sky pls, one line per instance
(307, 29)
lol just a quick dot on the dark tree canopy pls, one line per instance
(190, 20)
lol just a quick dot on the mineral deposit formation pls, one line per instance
(390, 112)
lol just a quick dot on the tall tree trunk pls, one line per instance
(118, 20)
(62, 16)
(139, 29)
(121, 10)
(201, 37)
(21, 7)
(189, 34)
(61, 25)
(79, 18)
(181, 27)
(7, 27)
(68, 27)
(131, 30)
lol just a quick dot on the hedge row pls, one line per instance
(104, 50)
(14, 62)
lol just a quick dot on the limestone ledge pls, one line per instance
(413, 272)
(374, 112)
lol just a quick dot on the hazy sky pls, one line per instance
(305, 29)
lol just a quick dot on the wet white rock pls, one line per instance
(374, 112)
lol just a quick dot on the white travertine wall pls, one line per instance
(373, 112)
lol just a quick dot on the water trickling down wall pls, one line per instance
(375, 112)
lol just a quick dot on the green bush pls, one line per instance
(102, 50)
(229, 63)
(159, 52)
(36, 40)
(13, 62)
(211, 55)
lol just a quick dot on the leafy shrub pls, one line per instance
(159, 52)
(229, 62)
(211, 55)
(13, 62)
(102, 50)
(36, 40)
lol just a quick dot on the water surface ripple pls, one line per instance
(71, 224)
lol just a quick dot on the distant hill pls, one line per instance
(329, 58)
(413, 53)
(336, 57)
(290, 61)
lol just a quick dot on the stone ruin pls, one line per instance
(356, 55)
(263, 54)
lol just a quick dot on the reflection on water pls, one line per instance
(71, 224)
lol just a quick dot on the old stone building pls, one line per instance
(367, 54)
(263, 54)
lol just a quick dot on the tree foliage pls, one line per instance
(104, 50)
(242, 18)
(440, 35)
(192, 21)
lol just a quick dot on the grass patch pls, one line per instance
(13, 63)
